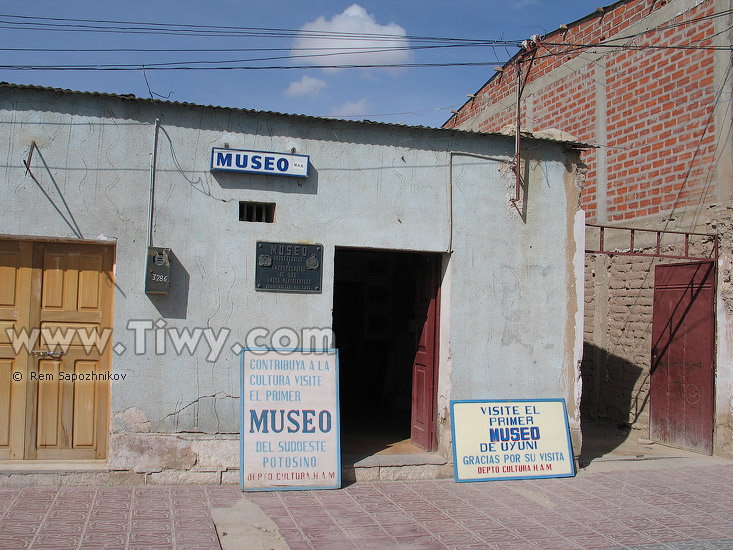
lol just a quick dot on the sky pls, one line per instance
(229, 33)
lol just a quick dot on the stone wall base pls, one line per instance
(23, 478)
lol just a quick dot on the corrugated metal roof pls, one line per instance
(132, 97)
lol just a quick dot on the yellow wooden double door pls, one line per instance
(55, 349)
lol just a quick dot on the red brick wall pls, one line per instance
(660, 135)
(569, 105)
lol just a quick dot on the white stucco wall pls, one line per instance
(508, 323)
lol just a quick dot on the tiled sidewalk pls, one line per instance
(681, 508)
(119, 518)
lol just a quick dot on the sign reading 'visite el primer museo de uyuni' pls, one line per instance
(511, 439)
(290, 420)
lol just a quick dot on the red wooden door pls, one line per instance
(425, 366)
(683, 343)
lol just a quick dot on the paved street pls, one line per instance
(679, 507)
(112, 517)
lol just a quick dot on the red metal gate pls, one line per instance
(682, 366)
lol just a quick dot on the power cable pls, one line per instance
(231, 68)
(216, 30)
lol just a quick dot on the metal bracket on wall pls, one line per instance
(27, 162)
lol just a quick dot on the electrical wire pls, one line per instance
(330, 53)
(216, 30)
(64, 24)
(238, 67)
(229, 50)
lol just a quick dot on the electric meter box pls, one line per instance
(157, 270)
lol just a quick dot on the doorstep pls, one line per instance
(382, 467)
(55, 473)
(51, 466)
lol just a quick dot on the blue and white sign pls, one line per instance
(290, 434)
(511, 439)
(259, 162)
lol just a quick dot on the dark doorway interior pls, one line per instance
(378, 318)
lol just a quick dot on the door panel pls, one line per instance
(683, 343)
(425, 367)
(47, 434)
(68, 290)
(15, 292)
(6, 399)
(84, 404)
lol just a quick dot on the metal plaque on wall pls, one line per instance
(289, 267)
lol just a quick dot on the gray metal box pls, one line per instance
(157, 270)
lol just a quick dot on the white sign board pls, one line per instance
(511, 439)
(290, 420)
(259, 162)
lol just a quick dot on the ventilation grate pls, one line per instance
(263, 212)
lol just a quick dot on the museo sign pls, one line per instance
(290, 433)
(259, 162)
(511, 439)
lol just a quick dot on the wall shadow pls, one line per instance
(610, 401)
(272, 183)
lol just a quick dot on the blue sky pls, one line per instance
(418, 96)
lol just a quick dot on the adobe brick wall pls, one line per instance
(630, 296)
(617, 359)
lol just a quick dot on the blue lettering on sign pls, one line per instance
(269, 163)
(470, 460)
(241, 161)
(514, 434)
(223, 159)
(307, 422)
(294, 424)
(283, 165)
(256, 162)
(297, 421)
(258, 424)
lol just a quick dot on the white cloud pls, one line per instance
(306, 86)
(327, 37)
(350, 109)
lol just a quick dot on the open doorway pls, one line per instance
(385, 321)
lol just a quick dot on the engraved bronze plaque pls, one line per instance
(289, 267)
